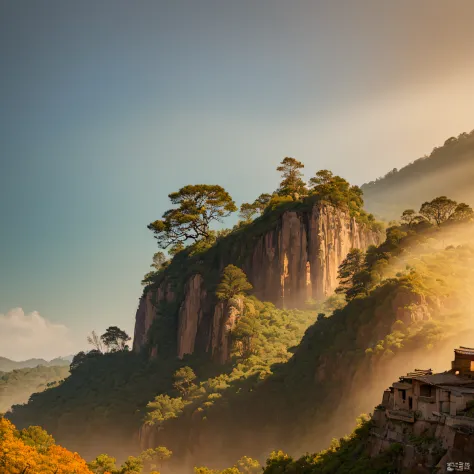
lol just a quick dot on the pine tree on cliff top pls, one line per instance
(292, 184)
(198, 206)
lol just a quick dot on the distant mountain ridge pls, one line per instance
(6, 365)
(448, 171)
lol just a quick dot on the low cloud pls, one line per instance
(24, 336)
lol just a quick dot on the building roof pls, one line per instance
(459, 389)
(417, 372)
(464, 351)
(444, 378)
(402, 385)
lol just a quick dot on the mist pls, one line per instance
(454, 311)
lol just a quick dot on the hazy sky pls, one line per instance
(107, 106)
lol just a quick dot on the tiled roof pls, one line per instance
(464, 350)
(444, 378)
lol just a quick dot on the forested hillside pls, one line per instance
(399, 304)
(292, 378)
(448, 170)
(408, 301)
(106, 396)
(17, 385)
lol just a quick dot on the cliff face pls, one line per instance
(296, 259)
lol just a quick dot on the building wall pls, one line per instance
(400, 403)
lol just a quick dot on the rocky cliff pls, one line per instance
(294, 258)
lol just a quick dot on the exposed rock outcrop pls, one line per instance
(146, 312)
(190, 314)
(295, 259)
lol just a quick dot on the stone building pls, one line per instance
(427, 396)
(429, 410)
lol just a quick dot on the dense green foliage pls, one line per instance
(17, 386)
(338, 191)
(98, 407)
(448, 170)
(350, 266)
(233, 283)
(244, 465)
(262, 338)
(347, 455)
(415, 296)
(106, 395)
(145, 463)
(284, 382)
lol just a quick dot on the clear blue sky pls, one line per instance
(108, 106)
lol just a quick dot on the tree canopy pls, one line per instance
(438, 211)
(410, 217)
(233, 282)
(34, 450)
(115, 339)
(350, 266)
(336, 190)
(183, 380)
(292, 183)
(103, 464)
(247, 211)
(197, 207)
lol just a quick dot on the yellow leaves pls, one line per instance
(18, 458)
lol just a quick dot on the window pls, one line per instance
(410, 403)
(425, 390)
(403, 394)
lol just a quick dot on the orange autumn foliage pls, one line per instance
(16, 457)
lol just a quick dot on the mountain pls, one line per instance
(418, 305)
(287, 393)
(217, 372)
(448, 171)
(7, 364)
(289, 256)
